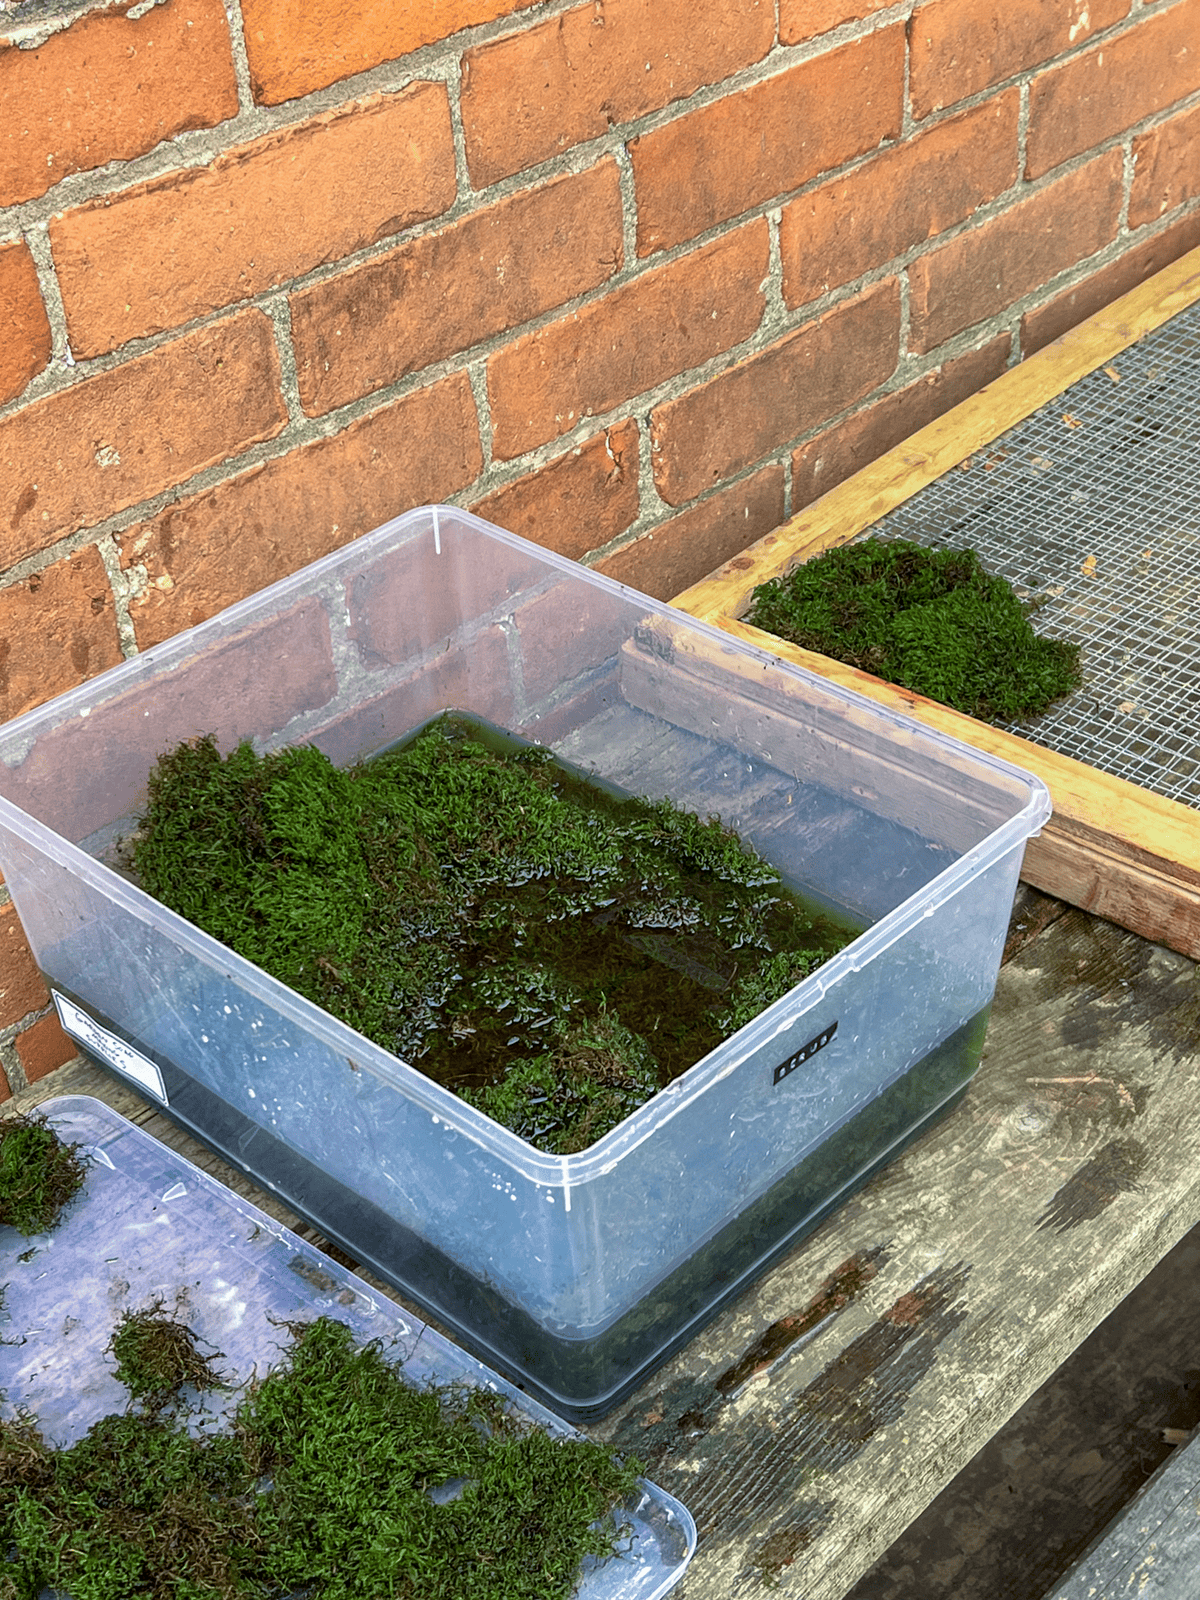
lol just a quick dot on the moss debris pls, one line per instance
(157, 1357)
(552, 951)
(337, 1480)
(933, 621)
(39, 1174)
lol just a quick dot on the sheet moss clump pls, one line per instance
(39, 1174)
(933, 621)
(551, 951)
(337, 1480)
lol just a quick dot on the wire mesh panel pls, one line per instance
(1091, 508)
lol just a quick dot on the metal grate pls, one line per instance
(1092, 507)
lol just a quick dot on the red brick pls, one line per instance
(5, 1091)
(959, 47)
(25, 343)
(801, 20)
(109, 89)
(535, 93)
(443, 293)
(56, 629)
(840, 451)
(43, 1047)
(1112, 86)
(579, 501)
(658, 325)
(296, 46)
(181, 246)
(842, 229)
(1050, 321)
(1166, 173)
(768, 399)
(78, 456)
(680, 552)
(21, 986)
(768, 139)
(986, 270)
(217, 547)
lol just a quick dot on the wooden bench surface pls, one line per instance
(813, 1420)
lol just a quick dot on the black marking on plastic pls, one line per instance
(805, 1053)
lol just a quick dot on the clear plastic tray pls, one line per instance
(574, 1274)
(148, 1225)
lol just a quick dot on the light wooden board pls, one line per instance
(1111, 847)
(817, 1417)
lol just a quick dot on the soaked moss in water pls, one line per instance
(929, 620)
(39, 1174)
(553, 952)
(337, 1481)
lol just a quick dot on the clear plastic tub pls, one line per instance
(148, 1226)
(573, 1274)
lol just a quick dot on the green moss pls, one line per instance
(39, 1174)
(321, 1487)
(590, 1077)
(929, 620)
(553, 952)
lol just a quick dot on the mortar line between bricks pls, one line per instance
(38, 240)
(908, 123)
(477, 377)
(463, 190)
(10, 1061)
(123, 590)
(32, 35)
(1023, 132)
(776, 318)
(628, 192)
(241, 59)
(278, 308)
(652, 508)
(904, 356)
(1127, 176)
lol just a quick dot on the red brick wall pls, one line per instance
(635, 278)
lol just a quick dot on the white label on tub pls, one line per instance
(115, 1051)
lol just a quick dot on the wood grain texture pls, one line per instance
(1111, 847)
(813, 1420)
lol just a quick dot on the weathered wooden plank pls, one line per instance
(1112, 847)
